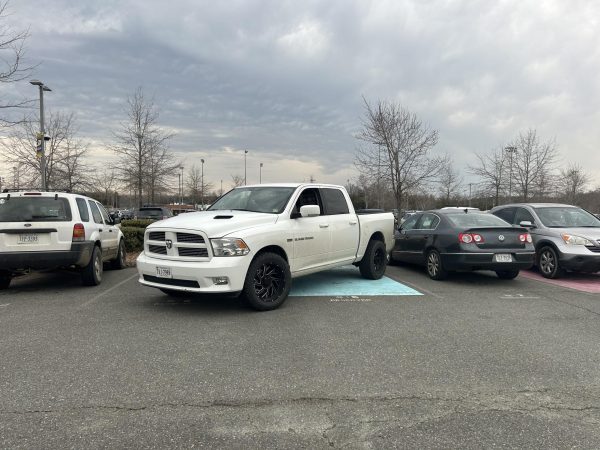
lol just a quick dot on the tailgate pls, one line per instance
(37, 237)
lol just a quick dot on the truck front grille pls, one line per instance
(190, 238)
(156, 236)
(193, 252)
(159, 249)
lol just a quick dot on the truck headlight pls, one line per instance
(229, 247)
(576, 240)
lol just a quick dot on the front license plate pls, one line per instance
(503, 257)
(163, 272)
(28, 239)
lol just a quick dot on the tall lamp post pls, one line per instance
(42, 88)
(260, 173)
(245, 154)
(202, 183)
(510, 150)
(181, 168)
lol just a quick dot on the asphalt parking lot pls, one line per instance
(471, 362)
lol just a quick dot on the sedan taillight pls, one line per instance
(467, 238)
(525, 237)
(78, 232)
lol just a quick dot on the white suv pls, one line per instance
(46, 230)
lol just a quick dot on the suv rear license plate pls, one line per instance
(503, 257)
(163, 272)
(28, 239)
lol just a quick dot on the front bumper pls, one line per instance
(580, 262)
(78, 255)
(485, 261)
(195, 276)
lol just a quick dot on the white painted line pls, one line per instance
(93, 299)
(419, 288)
(4, 305)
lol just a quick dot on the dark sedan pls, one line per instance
(463, 240)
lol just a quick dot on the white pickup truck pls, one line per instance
(255, 239)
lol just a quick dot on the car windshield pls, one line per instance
(566, 217)
(155, 212)
(472, 220)
(34, 209)
(258, 199)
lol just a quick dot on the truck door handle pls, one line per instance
(353, 222)
(323, 225)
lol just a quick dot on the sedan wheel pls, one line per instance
(435, 270)
(548, 263)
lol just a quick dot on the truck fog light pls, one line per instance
(220, 280)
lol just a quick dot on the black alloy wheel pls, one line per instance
(548, 263)
(267, 282)
(374, 261)
(435, 270)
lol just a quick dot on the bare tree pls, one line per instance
(237, 180)
(12, 67)
(532, 161)
(144, 159)
(65, 153)
(491, 171)
(450, 181)
(105, 182)
(199, 188)
(397, 151)
(572, 183)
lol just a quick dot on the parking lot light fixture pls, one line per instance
(510, 150)
(202, 183)
(42, 87)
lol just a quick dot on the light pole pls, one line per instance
(181, 168)
(42, 88)
(470, 184)
(202, 183)
(260, 173)
(245, 154)
(510, 150)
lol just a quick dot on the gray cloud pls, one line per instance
(285, 79)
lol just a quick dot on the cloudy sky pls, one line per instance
(285, 79)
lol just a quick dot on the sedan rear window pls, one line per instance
(472, 220)
(34, 209)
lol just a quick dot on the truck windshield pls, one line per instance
(258, 199)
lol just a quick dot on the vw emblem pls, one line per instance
(500, 238)
(169, 243)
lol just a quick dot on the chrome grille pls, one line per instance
(190, 238)
(159, 249)
(193, 252)
(156, 236)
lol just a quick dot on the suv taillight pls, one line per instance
(78, 232)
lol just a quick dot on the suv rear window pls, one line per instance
(34, 209)
(150, 212)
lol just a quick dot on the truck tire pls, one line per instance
(119, 262)
(91, 275)
(267, 283)
(5, 278)
(374, 261)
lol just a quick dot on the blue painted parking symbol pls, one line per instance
(346, 281)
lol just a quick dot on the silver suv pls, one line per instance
(46, 230)
(566, 237)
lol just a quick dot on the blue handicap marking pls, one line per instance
(346, 281)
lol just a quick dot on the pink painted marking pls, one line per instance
(584, 282)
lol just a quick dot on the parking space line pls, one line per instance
(93, 299)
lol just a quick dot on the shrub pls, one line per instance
(134, 237)
(137, 223)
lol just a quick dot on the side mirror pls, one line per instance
(526, 224)
(310, 210)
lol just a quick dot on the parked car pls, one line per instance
(565, 237)
(447, 240)
(255, 239)
(153, 213)
(46, 230)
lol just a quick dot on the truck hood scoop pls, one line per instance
(222, 217)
